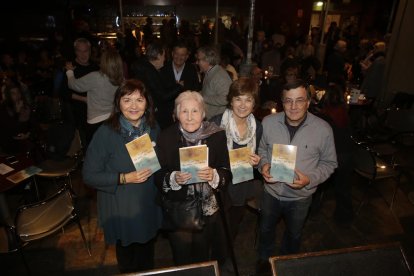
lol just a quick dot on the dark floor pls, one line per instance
(64, 253)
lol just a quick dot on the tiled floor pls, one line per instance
(65, 254)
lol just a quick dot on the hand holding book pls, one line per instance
(300, 180)
(139, 176)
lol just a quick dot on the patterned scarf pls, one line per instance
(206, 130)
(129, 132)
(232, 133)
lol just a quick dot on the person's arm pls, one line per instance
(327, 161)
(219, 161)
(94, 167)
(83, 84)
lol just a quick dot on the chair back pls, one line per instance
(400, 120)
(377, 259)
(199, 269)
(41, 219)
(75, 148)
(365, 162)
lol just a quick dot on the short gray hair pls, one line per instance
(212, 55)
(81, 40)
(189, 95)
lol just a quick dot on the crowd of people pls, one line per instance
(183, 94)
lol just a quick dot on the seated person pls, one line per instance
(15, 121)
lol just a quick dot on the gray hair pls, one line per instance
(212, 55)
(189, 95)
(81, 40)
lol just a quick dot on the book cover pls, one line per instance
(239, 164)
(193, 159)
(283, 163)
(142, 153)
(24, 174)
(4, 169)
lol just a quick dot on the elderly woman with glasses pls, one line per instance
(190, 246)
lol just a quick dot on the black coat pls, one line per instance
(170, 140)
(162, 96)
(189, 77)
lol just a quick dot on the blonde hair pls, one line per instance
(112, 66)
(189, 95)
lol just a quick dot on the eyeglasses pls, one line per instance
(300, 102)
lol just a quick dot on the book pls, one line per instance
(193, 159)
(142, 153)
(4, 169)
(24, 174)
(239, 164)
(283, 163)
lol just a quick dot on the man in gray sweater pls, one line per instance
(315, 162)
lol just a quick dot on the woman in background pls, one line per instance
(100, 87)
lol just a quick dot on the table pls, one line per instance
(20, 162)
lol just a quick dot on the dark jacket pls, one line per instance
(170, 140)
(162, 96)
(189, 77)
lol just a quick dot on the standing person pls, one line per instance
(216, 81)
(191, 246)
(100, 86)
(315, 162)
(242, 130)
(74, 103)
(148, 70)
(126, 197)
(336, 66)
(178, 73)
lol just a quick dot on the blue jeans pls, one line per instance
(294, 214)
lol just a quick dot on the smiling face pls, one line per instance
(296, 104)
(179, 56)
(242, 106)
(190, 114)
(133, 107)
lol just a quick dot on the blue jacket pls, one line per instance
(126, 212)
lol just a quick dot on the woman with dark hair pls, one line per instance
(16, 121)
(242, 130)
(126, 197)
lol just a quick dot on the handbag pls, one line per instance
(183, 214)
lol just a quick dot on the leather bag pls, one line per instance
(183, 215)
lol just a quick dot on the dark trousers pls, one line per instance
(90, 131)
(235, 215)
(135, 257)
(199, 246)
(294, 214)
